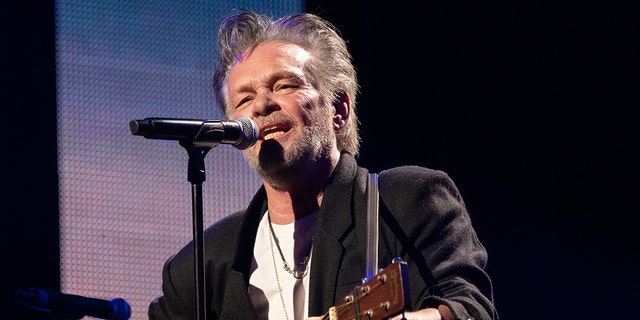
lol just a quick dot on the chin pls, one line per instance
(270, 151)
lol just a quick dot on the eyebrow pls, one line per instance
(270, 79)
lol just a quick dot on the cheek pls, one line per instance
(236, 113)
(307, 102)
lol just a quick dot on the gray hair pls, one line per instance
(330, 70)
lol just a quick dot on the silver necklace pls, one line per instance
(300, 269)
(275, 268)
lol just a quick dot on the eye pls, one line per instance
(280, 86)
(288, 83)
(243, 101)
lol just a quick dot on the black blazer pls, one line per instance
(423, 221)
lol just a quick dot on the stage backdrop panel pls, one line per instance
(125, 201)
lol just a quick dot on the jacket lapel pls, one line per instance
(236, 298)
(335, 220)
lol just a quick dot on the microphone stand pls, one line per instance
(196, 175)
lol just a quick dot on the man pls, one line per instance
(301, 244)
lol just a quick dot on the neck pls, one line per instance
(286, 207)
(295, 196)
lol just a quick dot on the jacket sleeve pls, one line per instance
(177, 301)
(427, 225)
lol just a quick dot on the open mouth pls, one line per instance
(272, 131)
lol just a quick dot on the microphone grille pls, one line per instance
(249, 133)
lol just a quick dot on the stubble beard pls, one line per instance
(278, 166)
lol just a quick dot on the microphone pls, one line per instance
(72, 306)
(241, 132)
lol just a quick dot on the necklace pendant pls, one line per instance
(299, 274)
(300, 270)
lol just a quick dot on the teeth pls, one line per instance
(273, 135)
(272, 132)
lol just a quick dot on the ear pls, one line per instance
(342, 105)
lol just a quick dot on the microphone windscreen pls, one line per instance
(249, 133)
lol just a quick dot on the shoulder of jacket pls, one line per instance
(409, 172)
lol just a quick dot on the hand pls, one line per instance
(441, 313)
(424, 314)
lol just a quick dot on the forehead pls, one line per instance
(269, 55)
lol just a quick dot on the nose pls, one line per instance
(264, 103)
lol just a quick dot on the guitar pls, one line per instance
(382, 297)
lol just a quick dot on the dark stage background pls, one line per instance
(529, 106)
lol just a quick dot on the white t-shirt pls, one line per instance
(264, 290)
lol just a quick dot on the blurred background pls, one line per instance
(528, 105)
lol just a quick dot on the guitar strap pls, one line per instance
(395, 306)
(372, 226)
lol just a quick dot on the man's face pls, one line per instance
(270, 86)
